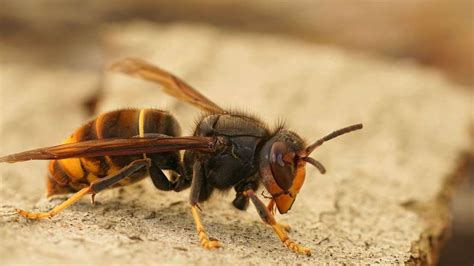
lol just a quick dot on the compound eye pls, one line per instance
(282, 165)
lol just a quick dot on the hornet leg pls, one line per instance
(271, 208)
(194, 198)
(159, 179)
(268, 218)
(161, 182)
(92, 189)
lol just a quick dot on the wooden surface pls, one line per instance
(383, 200)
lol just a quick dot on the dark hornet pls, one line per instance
(227, 150)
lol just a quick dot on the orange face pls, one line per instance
(282, 164)
(283, 200)
(283, 175)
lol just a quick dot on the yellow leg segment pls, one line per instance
(203, 239)
(41, 215)
(288, 242)
(271, 208)
(267, 217)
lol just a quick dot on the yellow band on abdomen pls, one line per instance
(141, 125)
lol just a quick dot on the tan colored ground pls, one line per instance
(370, 207)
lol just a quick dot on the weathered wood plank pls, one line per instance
(379, 202)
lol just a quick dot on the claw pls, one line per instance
(41, 215)
(35, 215)
(290, 243)
(296, 248)
(203, 238)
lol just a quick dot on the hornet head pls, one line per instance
(283, 161)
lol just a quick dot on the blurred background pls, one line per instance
(436, 34)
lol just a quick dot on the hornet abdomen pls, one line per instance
(71, 175)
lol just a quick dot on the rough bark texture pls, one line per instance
(383, 200)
